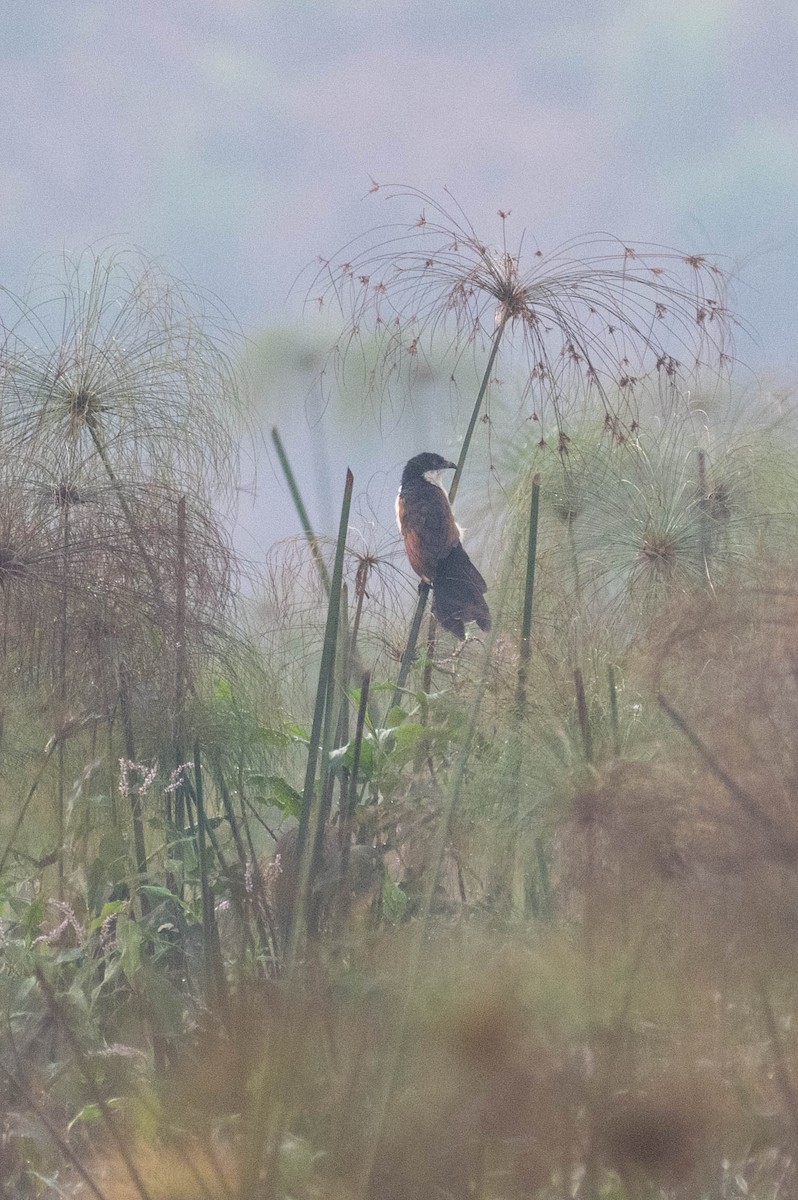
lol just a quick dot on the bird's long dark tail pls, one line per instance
(458, 593)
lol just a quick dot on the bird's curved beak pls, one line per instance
(449, 466)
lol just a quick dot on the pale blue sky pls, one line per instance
(237, 137)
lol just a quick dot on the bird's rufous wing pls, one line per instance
(427, 525)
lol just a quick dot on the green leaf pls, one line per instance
(33, 917)
(344, 758)
(90, 1114)
(408, 736)
(108, 910)
(279, 793)
(129, 939)
(274, 738)
(394, 902)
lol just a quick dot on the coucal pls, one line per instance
(432, 542)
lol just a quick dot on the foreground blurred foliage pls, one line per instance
(273, 927)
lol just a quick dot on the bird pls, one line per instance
(433, 547)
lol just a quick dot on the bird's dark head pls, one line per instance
(423, 464)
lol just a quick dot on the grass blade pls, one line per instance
(483, 387)
(302, 512)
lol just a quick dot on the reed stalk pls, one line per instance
(518, 892)
(302, 512)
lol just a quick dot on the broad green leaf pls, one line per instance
(34, 915)
(394, 902)
(278, 792)
(129, 939)
(344, 758)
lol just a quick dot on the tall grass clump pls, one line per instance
(118, 424)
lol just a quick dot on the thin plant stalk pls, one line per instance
(785, 1083)
(525, 649)
(410, 648)
(302, 512)
(139, 844)
(135, 532)
(213, 969)
(227, 804)
(180, 663)
(589, 936)
(432, 629)
(63, 623)
(238, 841)
(545, 904)
(756, 814)
(582, 714)
(347, 647)
(483, 387)
(261, 905)
(351, 803)
(614, 722)
(518, 876)
(334, 720)
(703, 516)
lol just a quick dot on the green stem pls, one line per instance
(521, 849)
(360, 726)
(133, 794)
(302, 512)
(63, 623)
(410, 648)
(483, 387)
(178, 739)
(126, 509)
(214, 975)
(529, 590)
(614, 722)
(582, 713)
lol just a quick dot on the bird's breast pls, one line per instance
(427, 525)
